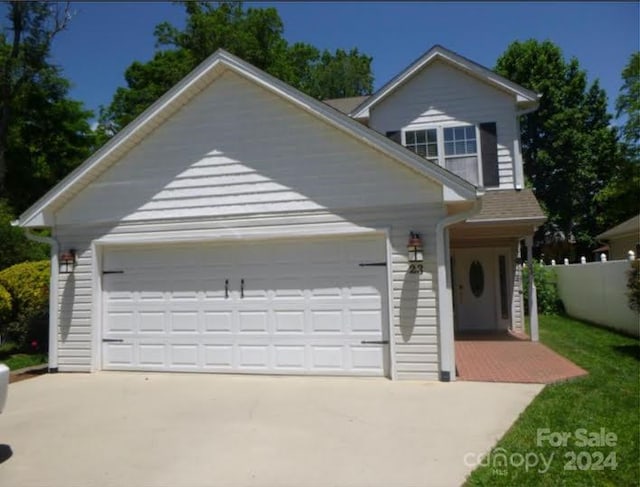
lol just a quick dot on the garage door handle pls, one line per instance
(242, 288)
(226, 288)
(112, 340)
(375, 342)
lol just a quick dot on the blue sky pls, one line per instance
(104, 38)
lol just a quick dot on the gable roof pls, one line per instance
(345, 105)
(524, 97)
(629, 227)
(39, 214)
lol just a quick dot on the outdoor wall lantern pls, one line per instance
(67, 261)
(414, 247)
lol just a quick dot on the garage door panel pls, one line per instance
(367, 358)
(218, 356)
(184, 322)
(184, 355)
(329, 321)
(151, 322)
(289, 321)
(217, 322)
(365, 321)
(306, 307)
(119, 354)
(152, 354)
(253, 321)
(289, 357)
(121, 322)
(253, 356)
(325, 357)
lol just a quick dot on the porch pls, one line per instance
(505, 356)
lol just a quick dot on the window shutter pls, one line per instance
(489, 148)
(395, 135)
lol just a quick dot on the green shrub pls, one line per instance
(633, 284)
(5, 305)
(14, 246)
(28, 285)
(547, 289)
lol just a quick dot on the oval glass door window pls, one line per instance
(476, 278)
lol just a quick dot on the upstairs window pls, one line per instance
(460, 141)
(470, 151)
(461, 152)
(423, 142)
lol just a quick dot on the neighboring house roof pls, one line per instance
(527, 99)
(346, 105)
(38, 215)
(629, 227)
(507, 205)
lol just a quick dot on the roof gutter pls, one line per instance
(53, 294)
(445, 296)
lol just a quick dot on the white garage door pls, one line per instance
(284, 307)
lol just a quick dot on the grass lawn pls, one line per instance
(609, 398)
(15, 360)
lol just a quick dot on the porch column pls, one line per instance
(533, 294)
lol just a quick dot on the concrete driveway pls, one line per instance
(128, 429)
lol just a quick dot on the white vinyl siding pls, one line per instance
(414, 308)
(443, 95)
(199, 164)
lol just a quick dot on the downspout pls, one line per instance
(53, 295)
(445, 296)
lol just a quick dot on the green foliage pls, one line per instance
(12, 357)
(5, 305)
(628, 103)
(28, 284)
(619, 198)
(569, 148)
(14, 246)
(43, 133)
(546, 289)
(49, 137)
(253, 34)
(633, 286)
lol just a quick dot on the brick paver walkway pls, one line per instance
(507, 358)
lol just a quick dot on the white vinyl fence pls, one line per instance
(597, 292)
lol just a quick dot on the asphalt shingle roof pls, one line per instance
(509, 204)
(345, 105)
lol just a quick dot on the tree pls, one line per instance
(628, 104)
(24, 48)
(255, 35)
(43, 133)
(619, 198)
(569, 149)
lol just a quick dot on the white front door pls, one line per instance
(474, 289)
(303, 306)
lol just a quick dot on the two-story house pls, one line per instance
(238, 225)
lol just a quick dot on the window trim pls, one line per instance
(440, 140)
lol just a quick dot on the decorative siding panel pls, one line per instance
(414, 307)
(237, 149)
(441, 94)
